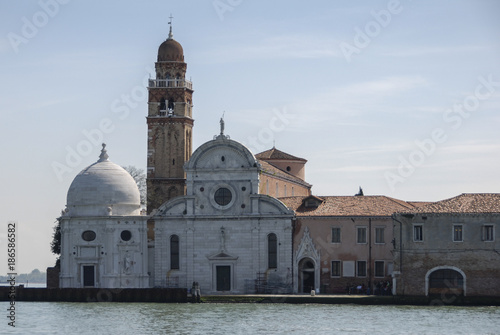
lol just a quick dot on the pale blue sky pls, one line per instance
(281, 71)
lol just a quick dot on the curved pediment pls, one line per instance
(176, 206)
(221, 153)
(270, 205)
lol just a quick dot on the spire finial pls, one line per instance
(170, 35)
(104, 154)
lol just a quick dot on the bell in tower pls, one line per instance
(170, 125)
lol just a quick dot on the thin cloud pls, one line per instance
(433, 50)
(275, 47)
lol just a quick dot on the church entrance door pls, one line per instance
(89, 275)
(223, 278)
(306, 267)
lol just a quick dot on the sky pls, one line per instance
(401, 98)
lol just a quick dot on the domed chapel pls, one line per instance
(210, 217)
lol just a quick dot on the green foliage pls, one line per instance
(55, 245)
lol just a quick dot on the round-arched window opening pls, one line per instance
(88, 235)
(126, 235)
(288, 168)
(223, 196)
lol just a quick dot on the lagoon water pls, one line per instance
(150, 318)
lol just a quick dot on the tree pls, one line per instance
(140, 179)
(55, 245)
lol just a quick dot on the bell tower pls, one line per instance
(170, 125)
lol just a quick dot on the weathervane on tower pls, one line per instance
(170, 35)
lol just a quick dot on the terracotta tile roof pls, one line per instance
(277, 154)
(419, 203)
(374, 205)
(272, 170)
(466, 203)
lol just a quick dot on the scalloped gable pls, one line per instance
(221, 153)
(176, 206)
(270, 205)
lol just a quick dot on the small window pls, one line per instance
(88, 235)
(336, 235)
(361, 268)
(379, 235)
(457, 233)
(272, 251)
(174, 252)
(488, 233)
(335, 268)
(126, 235)
(223, 196)
(379, 269)
(288, 168)
(361, 235)
(418, 233)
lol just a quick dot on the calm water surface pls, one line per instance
(143, 318)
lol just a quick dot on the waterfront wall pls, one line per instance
(171, 295)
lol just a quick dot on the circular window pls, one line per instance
(223, 196)
(88, 235)
(126, 235)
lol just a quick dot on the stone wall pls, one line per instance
(476, 260)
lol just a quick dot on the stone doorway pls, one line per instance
(223, 278)
(89, 276)
(307, 275)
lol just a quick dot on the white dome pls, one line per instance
(103, 188)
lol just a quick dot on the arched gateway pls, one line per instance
(445, 280)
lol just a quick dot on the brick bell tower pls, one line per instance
(170, 125)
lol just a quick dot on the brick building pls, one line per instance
(449, 247)
(343, 241)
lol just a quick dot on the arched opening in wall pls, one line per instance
(272, 251)
(174, 252)
(163, 107)
(446, 281)
(306, 275)
(167, 77)
(170, 106)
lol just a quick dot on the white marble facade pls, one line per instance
(222, 234)
(103, 235)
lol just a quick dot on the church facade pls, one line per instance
(222, 234)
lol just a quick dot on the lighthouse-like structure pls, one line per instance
(170, 123)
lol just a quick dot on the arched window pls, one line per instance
(170, 106)
(272, 251)
(174, 252)
(446, 281)
(163, 106)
